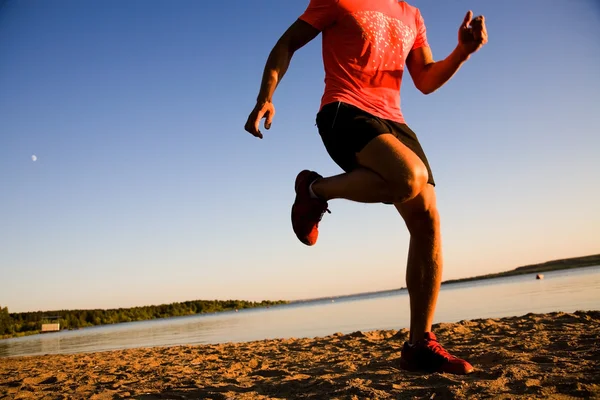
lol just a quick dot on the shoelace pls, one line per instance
(437, 348)
(318, 213)
(323, 213)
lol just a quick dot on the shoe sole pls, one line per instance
(299, 179)
(300, 239)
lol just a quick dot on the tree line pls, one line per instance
(18, 324)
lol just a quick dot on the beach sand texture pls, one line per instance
(550, 356)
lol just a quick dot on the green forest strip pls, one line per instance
(29, 323)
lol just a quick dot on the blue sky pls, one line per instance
(147, 189)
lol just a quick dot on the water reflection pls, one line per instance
(182, 330)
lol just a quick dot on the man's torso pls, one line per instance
(365, 47)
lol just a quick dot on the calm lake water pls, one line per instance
(566, 291)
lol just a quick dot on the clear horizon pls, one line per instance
(128, 179)
(306, 299)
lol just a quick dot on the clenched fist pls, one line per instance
(472, 34)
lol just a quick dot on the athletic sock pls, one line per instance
(310, 190)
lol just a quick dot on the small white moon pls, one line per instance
(34, 158)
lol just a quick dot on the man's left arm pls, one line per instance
(429, 75)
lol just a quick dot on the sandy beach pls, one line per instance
(550, 356)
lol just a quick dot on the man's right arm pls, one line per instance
(296, 36)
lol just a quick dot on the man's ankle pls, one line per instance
(416, 337)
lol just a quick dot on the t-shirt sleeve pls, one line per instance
(321, 13)
(421, 39)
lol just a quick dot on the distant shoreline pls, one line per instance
(554, 265)
(32, 323)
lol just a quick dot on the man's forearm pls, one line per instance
(275, 68)
(438, 73)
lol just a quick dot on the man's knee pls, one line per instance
(409, 185)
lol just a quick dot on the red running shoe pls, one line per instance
(429, 356)
(307, 211)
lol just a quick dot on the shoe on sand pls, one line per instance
(428, 355)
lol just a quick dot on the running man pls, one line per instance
(366, 46)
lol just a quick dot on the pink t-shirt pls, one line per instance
(365, 45)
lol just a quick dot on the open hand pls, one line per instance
(472, 34)
(261, 110)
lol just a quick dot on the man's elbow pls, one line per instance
(423, 81)
(281, 53)
(426, 89)
(283, 47)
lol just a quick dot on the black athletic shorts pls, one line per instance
(346, 130)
